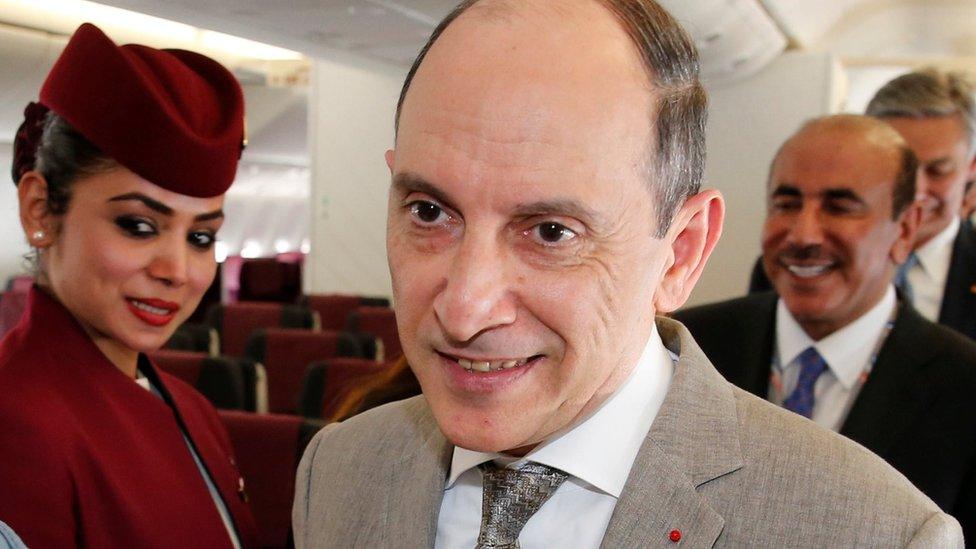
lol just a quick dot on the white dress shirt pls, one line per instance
(848, 353)
(597, 454)
(928, 276)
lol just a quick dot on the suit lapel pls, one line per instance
(959, 300)
(896, 391)
(693, 441)
(416, 487)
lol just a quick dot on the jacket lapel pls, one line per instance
(693, 441)
(416, 486)
(896, 390)
(959, 300)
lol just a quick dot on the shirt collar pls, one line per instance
(621, 423)
(935, 255)
(844, 350)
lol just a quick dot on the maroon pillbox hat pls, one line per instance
(174, 117)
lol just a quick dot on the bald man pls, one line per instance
(836, 345)
(545, 202)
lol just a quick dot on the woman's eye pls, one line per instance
(136, 226)
(553, 233)
(427, 212)
(202, 239)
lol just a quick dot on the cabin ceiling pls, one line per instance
(392, 31)
(736, 38)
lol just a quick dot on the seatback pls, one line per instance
(333, 309)
(327, 383)
(267, 279)
(235, 321)
(201, 338)
(286, 353)
(381, 323)
(20, 283)
(268, 448)
(220, 379)
(12, 306)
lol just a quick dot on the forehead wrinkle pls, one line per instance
(480, 145)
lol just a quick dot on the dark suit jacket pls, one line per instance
(916, 410)
(959, 300)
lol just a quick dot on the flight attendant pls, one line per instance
(121, 169)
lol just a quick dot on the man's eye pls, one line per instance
(552, 233)
(136, 226)
(427, 212)
(203, 240)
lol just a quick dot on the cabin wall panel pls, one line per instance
(352, 111)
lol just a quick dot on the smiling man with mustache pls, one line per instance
(834, 343)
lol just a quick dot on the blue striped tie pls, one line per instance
(901, 277)
(811, 366)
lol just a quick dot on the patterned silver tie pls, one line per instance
(510, 497)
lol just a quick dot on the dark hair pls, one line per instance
(904, 191)
(64, 156)
(671, 60)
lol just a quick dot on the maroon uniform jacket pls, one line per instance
(90, 458)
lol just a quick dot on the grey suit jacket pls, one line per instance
(724, 467)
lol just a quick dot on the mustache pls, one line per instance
(804, 253)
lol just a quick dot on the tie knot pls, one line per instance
(510, 498)
(801, 400)
(811, 363)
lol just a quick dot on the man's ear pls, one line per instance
(694, 231)
(38, 222)
(390, 157)
(908, 222)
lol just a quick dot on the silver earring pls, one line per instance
(37, 235)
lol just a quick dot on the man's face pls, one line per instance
(520, 223)
(945, 165)
(829, 241)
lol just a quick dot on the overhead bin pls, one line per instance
(736, 38)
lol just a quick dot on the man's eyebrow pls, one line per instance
(842, 194)
(158, 206)
(785, 190)
(938, 162)
(562, 207)
(408, 182)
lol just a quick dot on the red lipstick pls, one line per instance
(155, 312)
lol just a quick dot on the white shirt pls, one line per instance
(928, 276)
(848, 353)
(597, 454)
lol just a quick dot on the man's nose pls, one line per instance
(807, 227)
(477, 295)
(170, 263)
